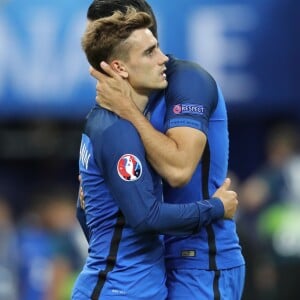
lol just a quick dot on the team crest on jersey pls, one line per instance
(129, 167)
(186, 108)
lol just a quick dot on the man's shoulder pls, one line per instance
(175, 64)
(99, 119)
(101, 122)
(187, 70)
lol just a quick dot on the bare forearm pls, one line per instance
(164, 154)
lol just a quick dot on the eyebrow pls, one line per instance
(151, 48)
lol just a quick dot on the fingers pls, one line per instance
(98, 87)
(95, 73)
(108, 69)
(81, 198)
(226, 184)
(109, 72)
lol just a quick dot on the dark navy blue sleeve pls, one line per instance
(134, 187)
(81, 217)
(191, 96)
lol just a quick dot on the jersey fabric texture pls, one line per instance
(193, 99)
(183, 286)
(124, 213)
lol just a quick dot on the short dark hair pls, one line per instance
(105, 8)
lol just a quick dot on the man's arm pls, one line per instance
(208, 211)
(139, 197)
(173, 155)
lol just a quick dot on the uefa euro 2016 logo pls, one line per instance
(129, 167)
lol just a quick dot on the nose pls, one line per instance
(163, 58)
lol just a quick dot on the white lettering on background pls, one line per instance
(43, 59)
(217, 41)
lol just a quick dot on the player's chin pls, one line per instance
(163, 84)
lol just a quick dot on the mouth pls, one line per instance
(163, 74)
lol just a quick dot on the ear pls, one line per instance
(119, 67)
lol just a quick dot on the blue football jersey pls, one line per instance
(193, 99)
(124, 214)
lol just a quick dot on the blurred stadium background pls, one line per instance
(251, 47)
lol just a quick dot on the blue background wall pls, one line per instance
(251, 47)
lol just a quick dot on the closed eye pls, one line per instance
(151, 49)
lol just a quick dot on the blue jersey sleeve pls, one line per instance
(137, 189)
(191, 96)
(81, 217)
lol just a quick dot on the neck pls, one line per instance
(140, 100)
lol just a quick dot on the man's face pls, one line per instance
(146, 63)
